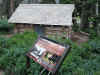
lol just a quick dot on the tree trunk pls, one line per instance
(98, 18)
(11, 6)
(84, 16)
(97, 8)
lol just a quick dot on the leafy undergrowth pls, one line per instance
(12, 52)
(82, 60)
(5, 27)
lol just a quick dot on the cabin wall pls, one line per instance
(23, 27)
(45, 30)
(59, 31)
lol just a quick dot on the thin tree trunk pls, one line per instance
(84, 16)
(97, 14)
(11, 6)
(97, 8)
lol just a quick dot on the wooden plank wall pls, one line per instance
(59, 31)
(55, 31)
(23, 27)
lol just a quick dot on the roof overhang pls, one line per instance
(46, 14)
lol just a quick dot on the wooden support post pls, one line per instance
(15, 29)
(69, 32)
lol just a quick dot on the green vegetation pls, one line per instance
(82, 60)
(4, 24)
(5, 27)
(12, 53)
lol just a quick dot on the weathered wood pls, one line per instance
(53, 28)
(15, 29)
(57, 34)
(31, 14)
(58, 31)
(22, 27)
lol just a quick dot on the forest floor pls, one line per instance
(76, 37)
(8, 36)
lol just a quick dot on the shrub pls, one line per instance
(5, 24)
(5, 27)
(82, 59)
(13, 50)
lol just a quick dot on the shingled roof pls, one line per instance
(46, 14)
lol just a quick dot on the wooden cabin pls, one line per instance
(45, 19)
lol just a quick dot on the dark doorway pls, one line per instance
(39, 29)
